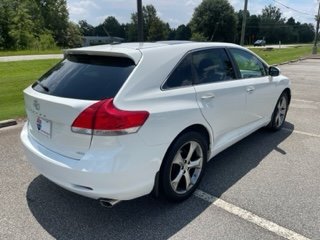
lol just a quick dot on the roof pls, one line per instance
(135, 50)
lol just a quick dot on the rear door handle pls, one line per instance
(250, 89)
(208, 97)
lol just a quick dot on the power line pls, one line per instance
(293, 9)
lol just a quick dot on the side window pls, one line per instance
(212, 65)
(249, 65)
(181, 76)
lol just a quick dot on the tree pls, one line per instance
(110, 27)
(86, 29)
(215, 20)
(306, 32)
(183, 32)
(272, 25)
(56, 18)
(73, 35)
(291, 22)
(253, 29)
(154, 28)
(157, 31)
(21, 28)
(292, 33)
(198, 37)
(272, 13)
(23, 23)
(6, 15)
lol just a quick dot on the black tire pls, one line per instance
(177, 163)
(278, 119)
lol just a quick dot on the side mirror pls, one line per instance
(274, 71)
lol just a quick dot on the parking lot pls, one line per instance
(265, 187)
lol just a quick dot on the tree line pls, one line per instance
(44, 24)
(212, 20)
(36, 24)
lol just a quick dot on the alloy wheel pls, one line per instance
(281, 111)
(186, 167)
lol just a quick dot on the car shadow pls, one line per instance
(65, 215)
(225, 169)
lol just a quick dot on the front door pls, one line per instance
(261, 91)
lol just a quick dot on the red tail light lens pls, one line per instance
(103, 118)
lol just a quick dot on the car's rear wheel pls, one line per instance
(279, 113)
(183, 166)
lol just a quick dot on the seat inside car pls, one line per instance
(207, 71)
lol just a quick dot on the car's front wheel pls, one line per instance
(279, 113)
(183, 166)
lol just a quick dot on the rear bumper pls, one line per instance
(123, 173)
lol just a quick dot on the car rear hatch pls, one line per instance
(63, 93)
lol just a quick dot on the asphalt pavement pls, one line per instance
(264, 187)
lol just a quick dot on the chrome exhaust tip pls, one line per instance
(108, 203)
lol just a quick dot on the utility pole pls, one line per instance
(140, 21)
(314, 49)
(244, 22)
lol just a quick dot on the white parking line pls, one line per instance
(301, 132)
(305, 101)
(250, 217)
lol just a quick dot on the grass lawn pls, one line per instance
(29, 52)
(14, 77)
(284, 54)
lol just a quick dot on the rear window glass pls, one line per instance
(86, 77)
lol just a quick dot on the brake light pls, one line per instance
(103, 118)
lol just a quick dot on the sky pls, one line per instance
(177, 12)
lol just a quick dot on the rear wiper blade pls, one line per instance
(43, 86)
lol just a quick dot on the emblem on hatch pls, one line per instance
(39, 123)
(36, 105)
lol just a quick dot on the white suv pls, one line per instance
(116, 122)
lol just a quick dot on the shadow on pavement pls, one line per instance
(65, 215)
(225, 169)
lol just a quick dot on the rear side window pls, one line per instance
(86, 77)
(181, 76)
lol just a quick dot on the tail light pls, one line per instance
(103, 118)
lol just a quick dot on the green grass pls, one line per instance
(277, 55)
(14, 77)
(29, 52)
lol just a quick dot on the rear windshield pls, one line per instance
(86, 77)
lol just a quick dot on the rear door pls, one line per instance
(221, 98)
(57, 99)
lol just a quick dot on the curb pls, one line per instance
(7, 123)
(298, 60)
(291, 61)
